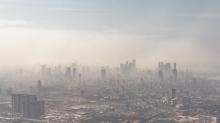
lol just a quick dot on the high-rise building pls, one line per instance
(39, 84)
(68, 73)
(40, 91)
(80, 77)
(167, 67)
(161, 78)
(48, 71)
(134, 63)
(58, 69)
(160, 65)
(103, 73)
(173, 93)
(18, 100)
(74, 72)
(27, 105)
(175, 72)
(33, 109)
(128, 67)
(43, 69)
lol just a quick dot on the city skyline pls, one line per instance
(109, 32)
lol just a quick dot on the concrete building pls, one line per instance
(175, 72)
(33, 110)
(128, 67)
(19, 100)
(173, 93)
(103, 73)
(160, 75)
(27, 106)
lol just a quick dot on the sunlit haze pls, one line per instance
(109, 61)
(107, 32)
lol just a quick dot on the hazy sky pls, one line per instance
(109, 31)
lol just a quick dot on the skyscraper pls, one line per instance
(27, 105)
(175, 72)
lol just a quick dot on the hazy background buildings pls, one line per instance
(107, 32)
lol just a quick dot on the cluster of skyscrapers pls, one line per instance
(128, 66)
(165, 70)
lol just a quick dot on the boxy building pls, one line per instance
(27, 105)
